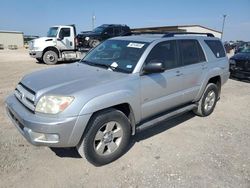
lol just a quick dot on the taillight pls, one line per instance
(76, 41)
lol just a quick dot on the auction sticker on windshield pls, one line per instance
(135, 45)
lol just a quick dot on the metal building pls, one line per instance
(179, 28)
(11, 39)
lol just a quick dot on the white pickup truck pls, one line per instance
(59, 45)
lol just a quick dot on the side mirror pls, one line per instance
(153, 67)
(60, 37)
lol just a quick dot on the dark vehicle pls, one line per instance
(240, 63)
(240, 46)
(92, 38)
(228, 47)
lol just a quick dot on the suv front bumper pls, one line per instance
(36, 54)
(45, 130)
(241, 74)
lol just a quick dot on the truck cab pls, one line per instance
(58, 45)
(64, 37)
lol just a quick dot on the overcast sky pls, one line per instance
(35, 17)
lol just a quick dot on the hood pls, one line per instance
(89, 34)
(40, 41)
(67, 79)
(43, 39)
(241, 56)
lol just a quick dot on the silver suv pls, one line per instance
(124, 85)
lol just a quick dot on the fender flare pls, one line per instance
(105, 101)
(53, 48)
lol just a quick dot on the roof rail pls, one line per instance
(172, 34)
(148, 32)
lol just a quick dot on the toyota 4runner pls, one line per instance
(123, 85)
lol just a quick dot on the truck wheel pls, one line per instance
(208, 101)
(107, 137)
(94, 43)
(50, 57)
(39, 60)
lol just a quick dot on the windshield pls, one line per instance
(118, 55)
(98, 29)
(245, 49)
(52, 32)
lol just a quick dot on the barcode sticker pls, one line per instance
(135, 45)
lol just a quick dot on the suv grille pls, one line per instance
(243, 65)
(26, 96)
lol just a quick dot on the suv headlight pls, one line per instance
(53, 104)
(86, 38)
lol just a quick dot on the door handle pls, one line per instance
(204, 67)
(70, 43)
(178, 73)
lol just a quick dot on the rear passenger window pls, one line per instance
(164, 52)
(125, 30)
(117, 31)
(216, 47)
(191, 52)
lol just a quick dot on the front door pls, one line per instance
(162, 91)
(65, 39)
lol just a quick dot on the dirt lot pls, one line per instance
(187, 151)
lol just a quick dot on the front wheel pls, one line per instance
(208, 101)
(50, 57)
(107, 137)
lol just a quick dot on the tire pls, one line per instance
(39, 60)
(50, 57)
(208, 101)
(107, 137)
(94, 43)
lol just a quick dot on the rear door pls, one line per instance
(109, 33)
(194, 66)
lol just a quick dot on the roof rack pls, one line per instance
(172, 34)
(148, 32)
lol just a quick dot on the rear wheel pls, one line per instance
(208, 101)
(107, 137)
(50, 57)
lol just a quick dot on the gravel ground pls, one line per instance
(187, 151)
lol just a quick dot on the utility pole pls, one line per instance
(93, 21)
(223, 24)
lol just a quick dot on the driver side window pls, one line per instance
(110, 31)
(65, 32)
(164, 52)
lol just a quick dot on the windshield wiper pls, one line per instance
(95, 64)
(87, 62)
(105, 66)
